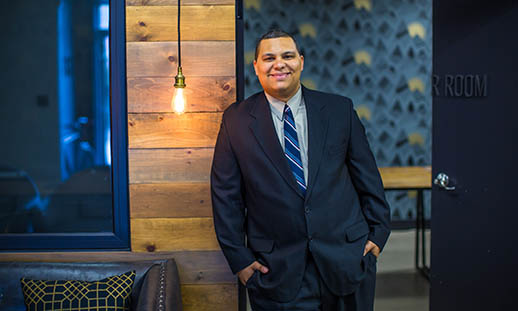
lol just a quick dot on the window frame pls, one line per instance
(119, 239)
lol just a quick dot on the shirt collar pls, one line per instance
(278, 105)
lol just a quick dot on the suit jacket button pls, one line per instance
(306, 210)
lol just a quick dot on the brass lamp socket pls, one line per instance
(179, 79)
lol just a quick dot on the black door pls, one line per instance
(474, 258)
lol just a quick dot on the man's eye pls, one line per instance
(288, 56)
(268, 59)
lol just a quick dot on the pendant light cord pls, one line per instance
(179, 53)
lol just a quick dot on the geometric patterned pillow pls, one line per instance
(110, 294)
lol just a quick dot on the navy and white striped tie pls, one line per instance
(292, 148)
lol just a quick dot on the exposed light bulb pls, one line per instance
(178, 102)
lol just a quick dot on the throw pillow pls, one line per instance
(112, 293)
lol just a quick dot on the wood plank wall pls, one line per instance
(170, 155)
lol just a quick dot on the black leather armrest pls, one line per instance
(161, 288)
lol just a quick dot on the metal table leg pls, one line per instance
(420, 238)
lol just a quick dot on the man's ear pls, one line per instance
(255, 66)
(301, 62)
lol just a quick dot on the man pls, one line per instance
(293, 170)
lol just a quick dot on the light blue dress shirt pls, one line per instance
(298, 108)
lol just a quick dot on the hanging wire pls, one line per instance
(179, 53)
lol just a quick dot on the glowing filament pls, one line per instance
(178, 102)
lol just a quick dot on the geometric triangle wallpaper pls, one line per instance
(376, 52)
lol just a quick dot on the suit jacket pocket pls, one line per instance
(250, 279)
(260, 245)
(356, 231)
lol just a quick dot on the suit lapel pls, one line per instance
(264, 131)
(317, 132)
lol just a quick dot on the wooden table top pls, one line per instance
(406, 177)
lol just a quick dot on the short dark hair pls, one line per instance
(271, 34)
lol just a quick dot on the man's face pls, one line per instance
(278, 67)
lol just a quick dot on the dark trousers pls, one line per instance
(315, 295)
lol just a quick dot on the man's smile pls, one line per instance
(280, 75)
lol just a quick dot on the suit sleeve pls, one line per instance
(367, 181)
(227, 203)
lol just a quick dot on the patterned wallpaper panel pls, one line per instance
(377, 52)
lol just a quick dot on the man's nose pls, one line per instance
(279, 63)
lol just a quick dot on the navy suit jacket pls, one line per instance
(254, 193)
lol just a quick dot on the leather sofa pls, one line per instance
(156, 287)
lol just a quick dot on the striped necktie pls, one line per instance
(292, 149)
